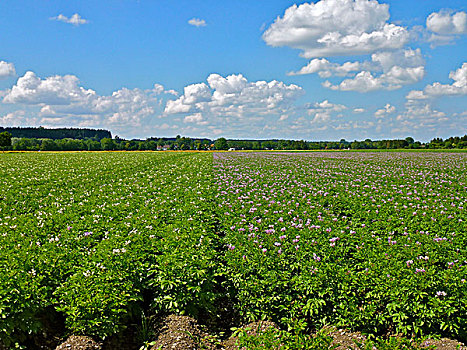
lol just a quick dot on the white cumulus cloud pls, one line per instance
(388, 109)
(447, 22)
(197, 22)
(381, 61)
(326, 106)
(323, 112)
(326, 69)
(75, 19)
(61, 100)
(16, 118)
(234, 96)
(403, 58)
(195, 118)
(336, 27)
(443, 27)
(399, 68)
(387, 70)
(55, 90)
(7, 69)
(194, 94)
(422, 117)
(365, 81)
(458, 87)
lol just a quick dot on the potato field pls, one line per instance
(92, 243)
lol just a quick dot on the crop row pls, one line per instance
(97, 238)
(374, 242)
(368, 241)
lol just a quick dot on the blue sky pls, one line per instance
(316, 70)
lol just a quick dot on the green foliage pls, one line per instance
(347, 240)
(48, 145)
(394, 343)
(5, 140)
(108, 144)
(56, 133)
(81, 139)
(272, 338)
(92, 235)
(221, 144)
(366, 241)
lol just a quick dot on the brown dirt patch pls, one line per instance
(345, 339)
(444, 344)
(182, 333)
(124, 340)
(79, 343)
(251, 329)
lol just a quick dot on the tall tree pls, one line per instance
(108, 144)
(5, 140)
(221, 144)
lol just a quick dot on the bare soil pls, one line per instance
(445, 344)
(345, 340)
(79, 343)
(184, 333)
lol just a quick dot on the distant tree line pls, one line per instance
(10, 142)
(105, 144)
(451, 142)
(57, 134)
(407, 143)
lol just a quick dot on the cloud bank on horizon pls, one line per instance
(349, 48)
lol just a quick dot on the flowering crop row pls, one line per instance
(370, 241)
(374, 242)
(95, 237)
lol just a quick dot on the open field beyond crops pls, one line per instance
(374, 242)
